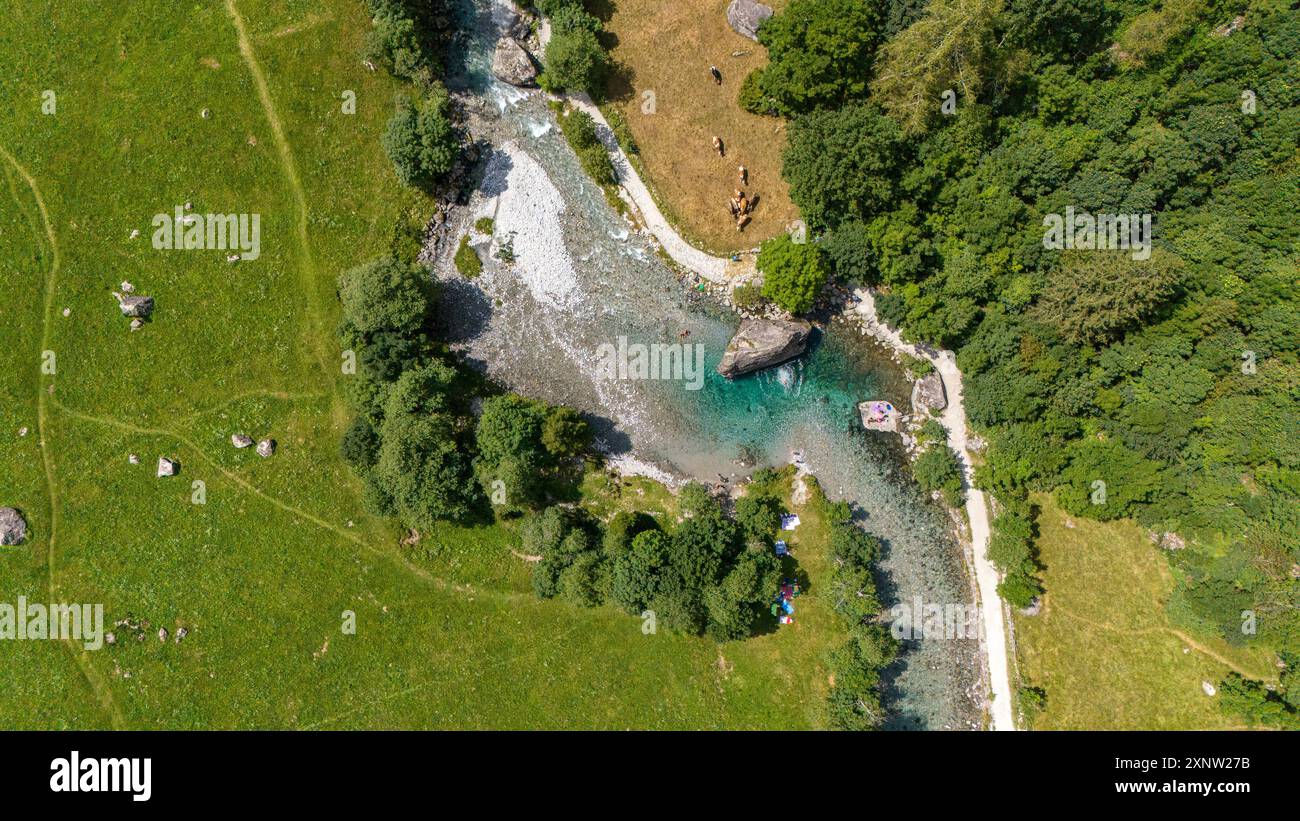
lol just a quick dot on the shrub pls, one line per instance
(564, 433)
(384, 294)
(360, 445)
(467, 260)
(748, 297)
(937, 468)
(793, 273)
(421, 141)
(575, 61)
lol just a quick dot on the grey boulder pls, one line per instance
(745, 16)
(928, 394)
(762, 343)
(512, 64)
(13, 529)
(135, 306)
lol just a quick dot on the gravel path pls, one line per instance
(992, 615)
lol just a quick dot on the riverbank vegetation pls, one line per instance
(575, 59)
(1154, 380)
(408, 38)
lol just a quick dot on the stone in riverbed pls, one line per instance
(762, 343)
(13, 529)
(512, 64)
(745, 16)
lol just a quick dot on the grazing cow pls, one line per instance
(744, 175)
(717, 75)
(717, 146)
(742, 222)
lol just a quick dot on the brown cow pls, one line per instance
(718, 147)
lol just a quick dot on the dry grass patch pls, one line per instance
(667, 48)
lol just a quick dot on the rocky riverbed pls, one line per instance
(565, 277)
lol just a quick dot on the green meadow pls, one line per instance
(1103, 646)
(448, 632)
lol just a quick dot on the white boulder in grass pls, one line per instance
(167, 467)
(13, 528)
(266, 448)
(241, 440)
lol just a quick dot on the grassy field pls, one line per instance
(448, 632)
(1103, 648)
(667, 48)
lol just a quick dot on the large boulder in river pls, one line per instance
(762, 343)
(12, 527)
(512, 64)
(745, 16)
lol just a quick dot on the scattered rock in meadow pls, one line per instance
(745, 16)
(135, 306)
(137, 324)
(266, 448)
(13, 528)
(127, 288)
(241, 440)
(1208, 688)
(167, 467)
(181, 632)
(162, 634)
(133, 459)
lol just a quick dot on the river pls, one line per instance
(581, 279)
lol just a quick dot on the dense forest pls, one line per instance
(935, 147)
